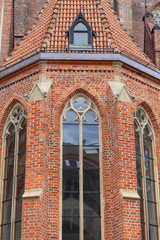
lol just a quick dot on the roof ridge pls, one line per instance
(106, 25)
(49, 30)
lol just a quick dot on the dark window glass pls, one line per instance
(153, 232)
(81, 178)
(71, 157)
(18, 209)
(145, 181)
(91, 204)
(14, 175)
(18, 231)
(7, 211)
(70, 228)
(6, 232)
(70, 204)
(92, 228)
(8, 184)
(9, 164)
(91, 180)
(91, 157)
(71, 180)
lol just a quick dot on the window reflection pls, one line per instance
(145, 181)
(81, 170)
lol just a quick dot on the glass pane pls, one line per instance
(71, 157)
(137, 142)
(90, 117)
(149, 168)
(91, 157)
(22, 141)
(80, 27)
(80, 38)
(90, 135)
(91, 180)
(147, 148)
(92, 228)
(9, 165)
(150, 185)
(153, 233)
(18, 231)
(7, 211)
(70, 117)
(10, 143)
(6, 232)
(70, 228)
(20, 185)
(70, 204)
(18, 209)
(21, 162)
(80, 103)
(152, 218)
(141, 210)
(70, 180)
(91, 204)
(143, 230)
(70, 134)
(8, 188)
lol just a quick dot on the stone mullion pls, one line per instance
(13, 212)
(81, 179)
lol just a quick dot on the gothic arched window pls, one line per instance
(81, 201)
(146, 174)
(80, 34)
(13, 173)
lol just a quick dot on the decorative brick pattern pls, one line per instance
(40, 216)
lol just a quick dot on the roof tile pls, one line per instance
(50, 31)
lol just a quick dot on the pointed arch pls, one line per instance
(147, 176)
(80, 168)
(13, 171)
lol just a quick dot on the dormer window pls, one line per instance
(80, 34)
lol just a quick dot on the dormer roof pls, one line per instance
(50, 33)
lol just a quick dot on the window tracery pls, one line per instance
(13, 171)
(156, 14)
(146, 175)
(81, 207)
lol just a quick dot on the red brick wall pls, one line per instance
(41, 216)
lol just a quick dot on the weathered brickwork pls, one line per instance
(41, 215)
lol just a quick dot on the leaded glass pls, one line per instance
(81, 172)
(156, 14)
(14, 173)
(144, 138)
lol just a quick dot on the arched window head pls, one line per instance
(81, 202)
(13, 173)
(156, 14)
(80, 34)
(146, 174)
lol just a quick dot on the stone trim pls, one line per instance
(32, 193)
(129, 194)
(120, 92)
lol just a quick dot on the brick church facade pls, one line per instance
(80, 120)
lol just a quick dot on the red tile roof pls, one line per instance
(50, 32)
